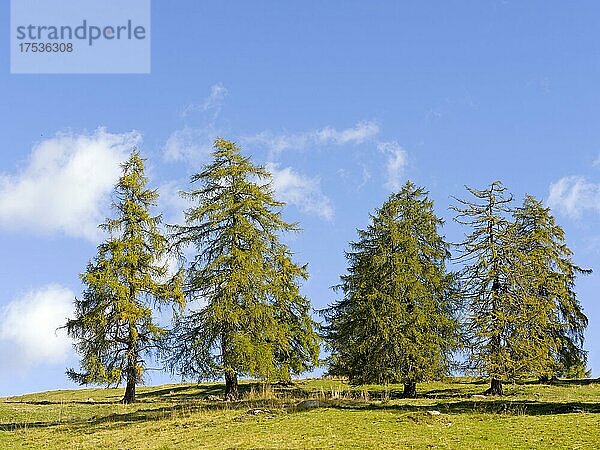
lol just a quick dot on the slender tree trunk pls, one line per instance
(231, 381)
(496, 384)
(132, 354)
(132, 378)
(410, 390)
(132, 372)
(495, 387)
(231, 386)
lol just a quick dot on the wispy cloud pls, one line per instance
(217, 95)
(190, 143)
(573, 195)
(301, 191)
(213, 103)
(395, 163)
(28, 328)
(194, 143)
(66, 183)
(365, 177)
(350, 178)
(279, 142)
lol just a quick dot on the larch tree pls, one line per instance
(553, 320)
(246, 314)
(488, 255)
(523, 318)
(114, 327)
(395, 320)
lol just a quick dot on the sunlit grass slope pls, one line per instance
(308, 414)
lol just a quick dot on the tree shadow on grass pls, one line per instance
(203, 391)
(89, 424)
(117, 419)
(581, 382)
(496, 406)
(198, 391)
(562, 382)
(446, 393)
(149, 395)
(113, 420)
(64, 402)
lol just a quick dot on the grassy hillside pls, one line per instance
(451, 415)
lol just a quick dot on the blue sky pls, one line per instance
(343, 100)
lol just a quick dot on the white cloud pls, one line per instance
(574, 194)
(218, 92)
(366, 177)
(350, 178)
(65, 184)
(301, 191)
(276, 143)
(28, 328)
(213, 102)
(194, 143)
(395, 164)
(361, 132)
(190, 144)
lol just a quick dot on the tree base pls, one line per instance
(544, 379)
(495, 388)
(231, 387)
(410, 390)
(129, 396)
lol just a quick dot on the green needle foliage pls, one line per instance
(395, 321)
(249, 316)
(113, 326)
(488, 254)
(553, 318)
(522, 314)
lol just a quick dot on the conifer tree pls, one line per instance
(488, 254)
(246, 315)
(523, 317)
(395, 322)
(114, 328)
(554, 320)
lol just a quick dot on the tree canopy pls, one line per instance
(114, 328)
(395, 321)
(247, 315)
(522, 315)
(553, 316)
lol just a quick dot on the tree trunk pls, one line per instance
(231, 386)
(131, 382)
(410, 390)
(495, 387)
(132, 373)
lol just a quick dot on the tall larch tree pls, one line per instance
(114, 328)
(246, 315)
(395, 320)
(488, 255)
(553, 319)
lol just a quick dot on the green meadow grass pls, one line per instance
(565, 415)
